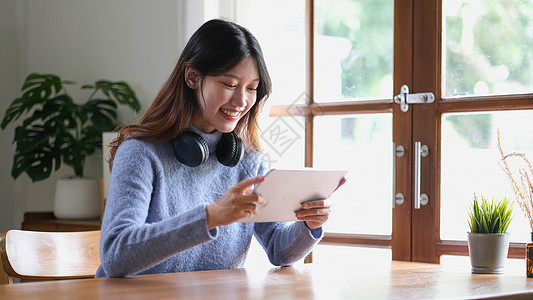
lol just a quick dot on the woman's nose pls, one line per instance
(239, 98)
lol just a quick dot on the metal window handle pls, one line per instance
(420, 151)
(397, 151)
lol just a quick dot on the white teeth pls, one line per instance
(230, 113)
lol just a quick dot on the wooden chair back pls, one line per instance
(37, 255)
(4, 278)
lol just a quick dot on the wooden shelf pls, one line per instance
(45, 221)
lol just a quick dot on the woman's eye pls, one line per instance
(230, 85)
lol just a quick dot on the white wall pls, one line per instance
(11, 56)
(133, 40)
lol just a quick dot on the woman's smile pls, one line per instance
(230, 113)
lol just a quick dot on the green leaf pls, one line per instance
(74, 156)
(120, 91)
(29, 139)
(35, 153)
(41, 86)
(92, 138)
(487, 216)
(37, 163)
(13, 112)
(37, 89)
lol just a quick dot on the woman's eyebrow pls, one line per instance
(237, 77)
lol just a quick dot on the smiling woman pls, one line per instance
(174, 208)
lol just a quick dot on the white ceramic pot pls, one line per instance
(77, 198)
(488, 252)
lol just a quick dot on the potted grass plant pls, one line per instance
(488, 240)
(57, 130)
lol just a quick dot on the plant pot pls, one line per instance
(488, 252)
(77, 198)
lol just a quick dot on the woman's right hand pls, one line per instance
(237, 203)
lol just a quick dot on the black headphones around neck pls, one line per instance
(192, 150)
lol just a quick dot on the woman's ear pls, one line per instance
(192, 77)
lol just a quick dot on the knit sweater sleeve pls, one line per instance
(129, 244)
(286, 242)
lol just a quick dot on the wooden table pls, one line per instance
(351, 280)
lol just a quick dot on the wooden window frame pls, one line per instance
(417, 53)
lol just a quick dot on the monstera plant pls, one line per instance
(56, 129)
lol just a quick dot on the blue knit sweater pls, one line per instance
(155, 215)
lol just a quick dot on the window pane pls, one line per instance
(362, 144)
(487, 47)
(353, 49)
(469, 165)
(283, 142)
(279, 26)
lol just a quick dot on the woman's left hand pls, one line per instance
(315, 213)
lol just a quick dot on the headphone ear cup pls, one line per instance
(190, 149)
(230, 149)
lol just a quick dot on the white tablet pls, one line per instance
(286, 190)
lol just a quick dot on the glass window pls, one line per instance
(353, 49)
(362, 144)
(470, 166)
(487, 47)
(283, 142)
(279, 26)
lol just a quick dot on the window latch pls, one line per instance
(404, 98)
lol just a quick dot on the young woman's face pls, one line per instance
(226, 98)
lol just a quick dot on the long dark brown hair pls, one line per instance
(215, 48)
